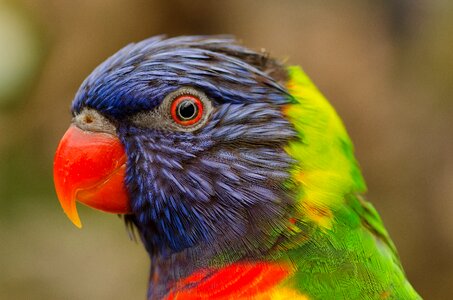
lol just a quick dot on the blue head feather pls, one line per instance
(220, 187)
(140, 75)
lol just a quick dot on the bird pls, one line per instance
(235, 171)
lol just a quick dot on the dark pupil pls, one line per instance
(187, 110)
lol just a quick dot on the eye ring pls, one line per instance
(186, 110)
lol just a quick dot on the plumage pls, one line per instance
(260, 199)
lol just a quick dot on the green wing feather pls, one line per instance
(341, 248)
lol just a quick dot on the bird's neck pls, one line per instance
(183, 276)
(238, 280)
(180, 273)
(308, 256)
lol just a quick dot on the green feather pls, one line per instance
(340, 248)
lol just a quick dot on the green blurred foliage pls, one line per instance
(387, 66)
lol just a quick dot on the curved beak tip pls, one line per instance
(76, 221)
(74, 217)
(67, 201)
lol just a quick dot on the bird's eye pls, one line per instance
(186, 110)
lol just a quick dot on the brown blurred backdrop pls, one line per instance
(387, 66)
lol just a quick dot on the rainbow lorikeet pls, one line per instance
(236, 171)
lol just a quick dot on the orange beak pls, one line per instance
(90, 167)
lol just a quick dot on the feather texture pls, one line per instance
(263, 201)
(348, 253)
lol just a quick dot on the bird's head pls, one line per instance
(186, 136)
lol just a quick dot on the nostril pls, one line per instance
(88, 119)
(91, 120)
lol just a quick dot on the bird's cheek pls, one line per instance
(90, 167)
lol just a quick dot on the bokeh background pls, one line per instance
(387, 66)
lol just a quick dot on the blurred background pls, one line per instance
(387, 66)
